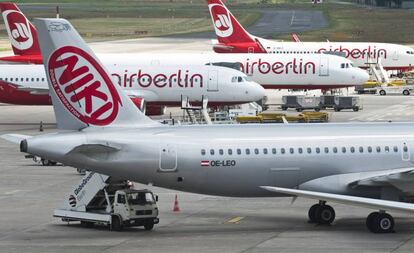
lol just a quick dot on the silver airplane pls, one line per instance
(368, 165)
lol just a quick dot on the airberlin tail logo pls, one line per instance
(83, 86)
(18, 29)
(222, 20)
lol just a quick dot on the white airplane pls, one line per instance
(158, 87)
(305, 71)
(233, 38)
(368, 165)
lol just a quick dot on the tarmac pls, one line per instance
(29, 193)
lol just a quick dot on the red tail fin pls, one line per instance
(228, 29)
(22, 34)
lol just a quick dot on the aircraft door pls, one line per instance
(212, 80)
(395, 56)
(405, 152)
(168, 158)
(323, 66)
(284, 177)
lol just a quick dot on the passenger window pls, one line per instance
(32, 79)
(361, 150)
(343, 150)
(211, 151)
(309, 150)
(300, 150)
(395, 149)
(318, 150)
(37, 79)
(203, 152)
(265, 151)
(274, 151)
(335, 150)
(221, 152)
(405, 149)
(230, 152)
(21, 79)
(11, 78)
(352, 150)
(378, 149)
(43, 79)
(326, 150)
(27, 79)
(387, 149)
(282, 150)
(239, 151)
(247, 151)
(256, 151)
(292, 150)
(369, 149)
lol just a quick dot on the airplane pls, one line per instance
(361, 164)
(306, 71)
(233, 38)
(156, 88)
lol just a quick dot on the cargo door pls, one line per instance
(284, 177)
(168, 158)
(212, 80)
(323, 66)
(395, 55)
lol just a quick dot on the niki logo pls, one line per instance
(18, 29)
(221, 20)
(83, 86)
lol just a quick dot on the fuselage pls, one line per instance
(301, 71)
(157, 85)
(362, 54)
(236, 160)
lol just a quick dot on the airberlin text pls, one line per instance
(181, 79)
(296, 66)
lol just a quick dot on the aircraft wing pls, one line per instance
(346, 199)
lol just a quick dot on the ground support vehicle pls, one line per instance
(100, 200)
(301, 103)
(395, 90)
(347, 102)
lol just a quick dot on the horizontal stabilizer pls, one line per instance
(15, 138)
(345, 199)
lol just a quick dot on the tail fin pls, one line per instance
(228, 29)
(82, 91)
(22, 34)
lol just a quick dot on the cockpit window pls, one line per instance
(240, 79)
(410, 52)
(234, 79)
(342, 65)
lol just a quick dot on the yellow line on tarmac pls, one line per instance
(235, 220)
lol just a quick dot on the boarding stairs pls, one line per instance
(191, 109)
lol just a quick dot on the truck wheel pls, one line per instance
(382, 92)
(356, 108)
(299, 109)
(116, 224)
(317, 109)
(149, 224)
(45, 162)
(284, 108)
(406, 92)
(336, 109)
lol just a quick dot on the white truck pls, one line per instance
(100, 200)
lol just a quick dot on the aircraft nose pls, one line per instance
(255, 91)
(362, 76)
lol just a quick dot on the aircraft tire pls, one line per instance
(382, 223)
(325, 214)
(312, 213)
(406, 92)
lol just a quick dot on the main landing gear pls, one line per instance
(377, 222)
(380, 222)
(321, 213)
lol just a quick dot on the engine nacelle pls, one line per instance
(140, 103)
(155, 110)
